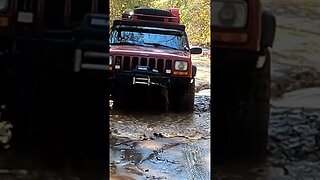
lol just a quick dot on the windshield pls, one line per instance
(149, 37)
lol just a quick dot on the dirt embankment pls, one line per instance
(294, 128)
(203, 64)
(295, 62)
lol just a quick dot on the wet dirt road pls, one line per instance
(293, 142)
(158, 145)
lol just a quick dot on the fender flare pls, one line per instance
(268, 29)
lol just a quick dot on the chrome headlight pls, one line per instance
(110, 60)
(181, 65)
(230, 13)
(3, 5)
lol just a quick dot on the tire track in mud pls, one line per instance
(198, 167)
(162, 146)
(158, 164)
(172, 158)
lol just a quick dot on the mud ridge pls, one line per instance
(295, 78)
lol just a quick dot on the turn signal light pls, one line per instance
(109, 68)
(4, 21)
(180, 73)
(230, 37)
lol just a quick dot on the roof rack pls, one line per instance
(174, 19)
(149, 24)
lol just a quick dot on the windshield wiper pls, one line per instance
(125, 43)
(160, 45)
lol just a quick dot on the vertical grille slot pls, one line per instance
(135, 62)
(168, 64)
(152, 63)
(126, 63)
(160, 66)
(54, 14)
(78, 9)
(144, 62)
(27, 6)
(118, 60)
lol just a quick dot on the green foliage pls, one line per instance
(195, 15)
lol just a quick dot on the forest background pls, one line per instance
(194, 14)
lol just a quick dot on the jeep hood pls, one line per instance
(126, 50)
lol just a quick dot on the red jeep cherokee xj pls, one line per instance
(149, 48)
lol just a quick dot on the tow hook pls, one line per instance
(140, 80)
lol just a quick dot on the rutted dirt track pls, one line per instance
(161, 145)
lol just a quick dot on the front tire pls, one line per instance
(241, 106)
(181, 97)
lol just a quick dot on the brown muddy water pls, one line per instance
(157, 145)
(161, 145)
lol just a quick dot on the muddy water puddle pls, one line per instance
(161, 145)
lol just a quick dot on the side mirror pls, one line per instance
(196, 50)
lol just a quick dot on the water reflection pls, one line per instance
(153, 144)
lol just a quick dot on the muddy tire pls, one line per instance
(241, 106)
(69, 126)
(259, 99)
(121, 97)
(137, 98)
(21, 88)
(20, 114)
(60, 119)
(181, 97)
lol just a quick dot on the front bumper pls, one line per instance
(147, 79)
(132, 79)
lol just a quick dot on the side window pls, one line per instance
(183, 42)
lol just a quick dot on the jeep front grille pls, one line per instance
(59, 14)
(129, 63)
